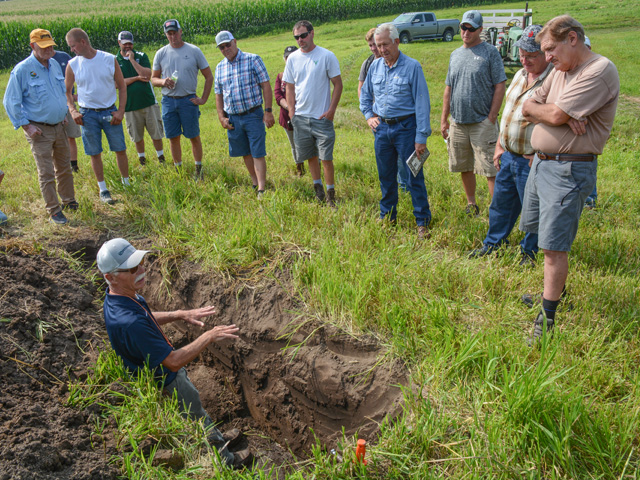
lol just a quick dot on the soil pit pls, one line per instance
(281, 391)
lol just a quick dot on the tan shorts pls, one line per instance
(149, 117)
(72, 129)
(471, 147)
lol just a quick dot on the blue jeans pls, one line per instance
(392, 141)
(403, 173)
(507, 203)
(593, 196)
(94, 123)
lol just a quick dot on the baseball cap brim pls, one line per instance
(46, 43)
(134, 260)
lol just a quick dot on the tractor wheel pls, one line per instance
(447, 36)
(405, 38)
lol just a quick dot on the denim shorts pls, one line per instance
(93, 125)
(180, 117)
(313, 137)
(553, 200)
(248, 135)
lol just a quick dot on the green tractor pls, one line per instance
(504, 36)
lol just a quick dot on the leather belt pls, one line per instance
(567, 157)
(393, 121)
(47, 124)
(253, 109)
(180, 98)
(100, 109)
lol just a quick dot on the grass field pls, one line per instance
(486, 406)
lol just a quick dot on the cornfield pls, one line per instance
(204, 19)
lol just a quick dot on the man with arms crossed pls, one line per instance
(309, 72)
(473, 95)
(175, 69)
(240, 82)
(142, 110)
(136, 336)
(35, 100)
(514, 151)
(97, 74)
(395, 102)
(574, 112)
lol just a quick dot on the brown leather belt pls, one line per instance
(567, 157)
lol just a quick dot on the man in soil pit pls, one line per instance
(136, 336)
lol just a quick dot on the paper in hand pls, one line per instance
(415, 163)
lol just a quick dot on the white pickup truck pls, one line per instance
(424, 25)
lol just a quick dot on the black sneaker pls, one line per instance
(58, 218)
(74, 167)
(319, 189)
(331, 197)
(527, 261)
(142, 160)
(161, 159)
(472, 210)
(73, 205)
(199, 175)
(481, 252)
(541, 325)
(105, 197)
(535, 300)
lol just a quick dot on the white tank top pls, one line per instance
(94, 78)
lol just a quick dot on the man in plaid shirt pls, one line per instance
(240, 82)
(514, 153)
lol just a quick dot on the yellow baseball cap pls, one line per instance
(42, 37)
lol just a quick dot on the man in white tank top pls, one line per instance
(97, 74)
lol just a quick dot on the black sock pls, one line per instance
(550, 307)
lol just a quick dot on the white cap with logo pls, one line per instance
(118, 254)
(223, 37)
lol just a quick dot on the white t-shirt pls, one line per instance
(311, 73)
(94, 78)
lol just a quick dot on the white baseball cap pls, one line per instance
(118, 254)
(223, 37)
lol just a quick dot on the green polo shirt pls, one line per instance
(139, 94)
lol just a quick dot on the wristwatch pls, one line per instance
(268, 110)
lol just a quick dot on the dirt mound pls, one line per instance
(46, 317)
(283, 383)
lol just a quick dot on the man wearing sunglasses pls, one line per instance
(309, 73)
(136, 336)
(241, 81)
(473, 94)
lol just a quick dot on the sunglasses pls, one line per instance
(302, 35)
(224, 46)
(469, 29)
(133, 270)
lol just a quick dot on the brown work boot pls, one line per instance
(233, 437)
(300, 169)
(331, 197)
(319, 192)
(423, 232)
(242, 459)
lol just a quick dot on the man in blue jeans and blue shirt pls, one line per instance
(136, 336)
(395, 101)
(97, 75)
(514, 152)
(241, 80)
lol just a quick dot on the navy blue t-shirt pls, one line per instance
(62, 58)
(135, 336)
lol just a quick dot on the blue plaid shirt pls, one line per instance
(239, 82)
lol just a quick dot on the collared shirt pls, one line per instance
(239, 82)
(515, 130)
(35, 93)
(139, 94)
(397, 91)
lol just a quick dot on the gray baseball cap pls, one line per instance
(223, 37)
(118, 254)
(527, 41)
(473, 18)
(125, 37)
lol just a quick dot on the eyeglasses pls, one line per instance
(469, 29)
(302, 35)
(133, 270)
(224, 46)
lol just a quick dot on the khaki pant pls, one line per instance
(51, 153)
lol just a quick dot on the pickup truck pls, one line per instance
(423, 25)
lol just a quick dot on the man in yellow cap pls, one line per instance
(35, 100)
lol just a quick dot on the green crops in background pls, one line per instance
(204, 19)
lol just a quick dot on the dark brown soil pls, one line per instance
(281, 391)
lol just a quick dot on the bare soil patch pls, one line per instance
(282, 391)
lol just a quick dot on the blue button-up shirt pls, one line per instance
(35, 93)
(239, 82)
(397, 91)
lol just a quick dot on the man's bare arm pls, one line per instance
(496, 102)
(335, 98)
(181, 357)
(446, 109)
